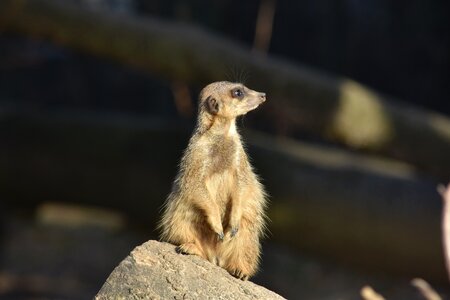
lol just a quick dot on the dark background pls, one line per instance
(399, 48)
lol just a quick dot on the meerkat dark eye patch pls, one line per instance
(237, 93)
(212, 105)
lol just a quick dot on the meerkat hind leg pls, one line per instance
(189, 248)
(240, 254)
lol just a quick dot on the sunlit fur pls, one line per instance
(216, 193)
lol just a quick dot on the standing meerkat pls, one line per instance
(216, 207)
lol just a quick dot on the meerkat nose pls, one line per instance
(262, 96)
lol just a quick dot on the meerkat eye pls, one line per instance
(237, 93)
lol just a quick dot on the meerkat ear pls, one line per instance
(212, 105)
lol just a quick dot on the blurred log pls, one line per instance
(334, 107)
(357, 209)
(264, 26)
(360, 210)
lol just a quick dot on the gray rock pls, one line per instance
(155, 271)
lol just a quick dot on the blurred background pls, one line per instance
(98, 100)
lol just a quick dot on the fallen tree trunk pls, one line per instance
(336, 108)
(354, 208)
(155, 271)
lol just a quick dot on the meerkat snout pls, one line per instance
(262, 96)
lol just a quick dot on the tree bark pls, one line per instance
(336, 108)
(357, 209)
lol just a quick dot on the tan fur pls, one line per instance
(216, 207)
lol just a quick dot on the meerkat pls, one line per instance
(216, 208)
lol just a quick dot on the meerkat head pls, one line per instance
(229, 100)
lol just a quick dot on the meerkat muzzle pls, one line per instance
(262, 96)
(255, 100)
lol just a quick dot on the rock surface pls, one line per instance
(155, 271)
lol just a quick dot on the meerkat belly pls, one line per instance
(221, 186)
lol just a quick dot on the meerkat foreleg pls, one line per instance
(212, 213)
(235, 215)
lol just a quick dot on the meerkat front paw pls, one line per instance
(233, 228)
(216, 226)
(219, 233)
(235, 222)
(233, 231)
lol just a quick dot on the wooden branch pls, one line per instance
(334, 107)
(368, 293)
(445, 193)
(425, 289)
(356, 209)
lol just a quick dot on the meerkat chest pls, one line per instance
(223, 155)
